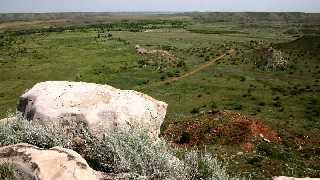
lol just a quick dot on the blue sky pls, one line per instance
(158, 5)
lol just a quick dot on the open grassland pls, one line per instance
(284, 98)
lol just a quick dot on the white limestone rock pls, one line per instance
(32, 162)
(101, 107)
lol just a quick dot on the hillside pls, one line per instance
(244, 86)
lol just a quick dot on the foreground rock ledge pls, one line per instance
(56, 163)
(101, 107)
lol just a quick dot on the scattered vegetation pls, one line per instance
(116, 152)
(273, 74)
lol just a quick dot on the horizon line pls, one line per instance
(152, 11)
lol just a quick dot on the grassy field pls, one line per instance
(286, 98)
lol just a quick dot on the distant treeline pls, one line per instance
(254, 17)
(8, 17)
(298, 17)
(124, 25)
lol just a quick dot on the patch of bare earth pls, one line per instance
(225, 128)
(234, 128)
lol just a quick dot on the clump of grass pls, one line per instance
(123, 151)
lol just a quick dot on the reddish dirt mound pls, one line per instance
(257, 127)
(226, 128)
(196, 131)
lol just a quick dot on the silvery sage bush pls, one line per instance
(121, 151)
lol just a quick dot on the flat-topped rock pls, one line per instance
(101, 107)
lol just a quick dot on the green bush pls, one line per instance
(235, 105)
(242, 78)
(195, 110)
(213, 105)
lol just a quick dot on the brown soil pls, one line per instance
(225, 128)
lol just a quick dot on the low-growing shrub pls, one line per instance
(195, 110)
(185, 137)
(204, 166)
(7, 171)
(213, 105)
(135, 153)
(236, 105)
(19, 130)
(122, 151)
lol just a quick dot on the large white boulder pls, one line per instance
(101, 107)
(56, 163)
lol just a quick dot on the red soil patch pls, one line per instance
(195, 130)
(226, 128)
(256, 126)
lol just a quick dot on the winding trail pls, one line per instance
(203, 66)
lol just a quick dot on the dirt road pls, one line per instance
(190, 73)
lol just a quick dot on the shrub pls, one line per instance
(129, 151)
(195, 110)
(181, 63)
(235, 105)
(185, 138)
(135, 153)
(213, 105)
(170, 74)
(276, 104)
(163, 77)
(7, 171)
(20, 130)
(204, 166)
